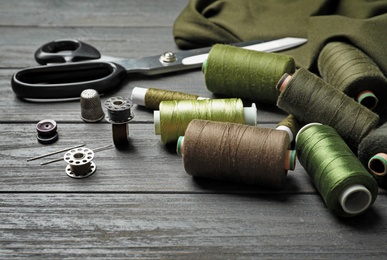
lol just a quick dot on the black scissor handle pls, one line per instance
(67, 80)
(69, 50)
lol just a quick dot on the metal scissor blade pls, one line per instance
(271, 46)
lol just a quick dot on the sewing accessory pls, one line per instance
(310, 99)
(241, 73)
(350, 70)
(91, 109)
(174, 116)
(47, 131)
(343, 182)
(119, 115)
(84, 67)
(80, 163)
(237, 153)
(152, 97)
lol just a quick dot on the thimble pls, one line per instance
(91, 109)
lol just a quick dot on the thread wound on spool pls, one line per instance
(352, 71)
(176, 115)
(154, 97)
(335, 171)
(310, 99)
(291, 125)
(236, 152)
(252, 75)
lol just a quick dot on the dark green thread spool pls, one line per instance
(236, 153)
(173, 117)
(353, 72)
(310, 99)
(373, 154)
(247, 74)
(343, 182)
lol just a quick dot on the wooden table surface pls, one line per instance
(140, 203)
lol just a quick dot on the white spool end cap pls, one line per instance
(250, 115)
(355, 199)
(156, 118)
(286, 129)
(138, 96)
(304, 128)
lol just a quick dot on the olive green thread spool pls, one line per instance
(373, 154)
(174, 116)
(237, 153)
(340, 178)
(291, 125)
(353, 72)
(310, 99)
(152, 97)
(247, 74)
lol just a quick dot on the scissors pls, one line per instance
(69, 66)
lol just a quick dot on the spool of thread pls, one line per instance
(173, 117)
(237, 153)
(310, 99)
(373, 154)
(290, 125)
(152, 97)
(353, 72)
(247, 74)
(343, 182)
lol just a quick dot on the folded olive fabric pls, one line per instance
(362, 23)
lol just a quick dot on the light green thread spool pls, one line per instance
(247, 74)
(343, 182)
(152, 97)
(174, 116)
(352, 71)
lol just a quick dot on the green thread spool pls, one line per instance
(236, 153)
(310, 99)
(353, 72)
(247, 74)
(173, 117)
(152, 97)
(373, 154)
(343, 182)
(291, 125)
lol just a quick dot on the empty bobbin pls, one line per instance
(119, 114)
(80, 163)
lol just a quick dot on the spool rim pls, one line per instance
(377, 162)
(283, 82)
(304, 128)
(368, 99)
(180, 146)
(355, 199)
(290, 160)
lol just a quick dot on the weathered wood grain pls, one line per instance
(185, 226)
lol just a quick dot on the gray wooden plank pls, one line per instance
(185, 226)
(97, 13)
(146, 166)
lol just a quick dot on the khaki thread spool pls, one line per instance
(352, 71)
(310, 99)
(173, 117)
(152, 97)
(247, 74)
(236, 153)
(340, 178)
(373, 154)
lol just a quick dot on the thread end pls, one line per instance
(368, 99)
(378, 164)
(355, 199)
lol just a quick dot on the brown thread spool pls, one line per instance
(236, 152)
(310, 99)
(352, 71)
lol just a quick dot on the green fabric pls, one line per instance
(363, 23)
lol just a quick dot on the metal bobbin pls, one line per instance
(47, 131)
(80, 163)
(119, 114)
